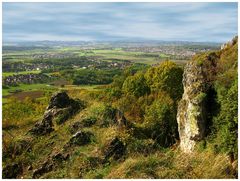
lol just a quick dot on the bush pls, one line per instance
(89, 121)
(226, 123)
(160, 121)
(104, 113)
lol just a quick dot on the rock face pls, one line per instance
(191, 110)
(60, 108)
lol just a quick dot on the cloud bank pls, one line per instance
(215, 22)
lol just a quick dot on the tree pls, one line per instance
(136, 85)
(166, 77)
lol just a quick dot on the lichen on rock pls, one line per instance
(61, 107)
(191, 109)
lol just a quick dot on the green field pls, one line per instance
(136, 57)
(79, 87)
(5, 74)
(29, 88)
(22, 88)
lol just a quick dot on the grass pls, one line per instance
(158, 164)
(77, 87)
(24, 88)
(173, 165)
(27, 87)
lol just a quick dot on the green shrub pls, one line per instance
(104, 113)
(89, 121)
(226, 123)
(160, 121)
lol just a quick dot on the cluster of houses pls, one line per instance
(53, 55)
(16, 79)
(172, 51)
(20, 66)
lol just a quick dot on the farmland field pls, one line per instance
(53, 62)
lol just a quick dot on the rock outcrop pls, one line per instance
(191, 109)
(115, 149)
(51, 163)
(60, 108)
(230, 43)
(198, 77)
(80, 138)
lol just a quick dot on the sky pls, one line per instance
(199, 22)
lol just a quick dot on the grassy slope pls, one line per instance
(168, 163)
(160, 163)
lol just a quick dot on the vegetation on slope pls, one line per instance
(130, 127)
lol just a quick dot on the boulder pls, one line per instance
(47, 166)
(50, 163)
(88, 122)
(114, 149)
(59, 100)
(12, 171)
(60, 157)
(112, 116)
(80, 138)
(60, 109)
(75, 127)
(43, 127)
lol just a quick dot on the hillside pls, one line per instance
(162, 121)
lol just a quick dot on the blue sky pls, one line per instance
(215, 22)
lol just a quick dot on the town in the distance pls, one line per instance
(37, 67)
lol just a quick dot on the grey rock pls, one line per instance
(191, 109)
(43, 127)
(81, 138)
(60, 109)
(59, 100)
